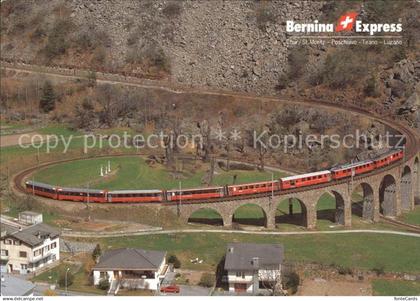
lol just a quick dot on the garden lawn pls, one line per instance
(362, 250)
(382, 287)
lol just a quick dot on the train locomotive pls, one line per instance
(210, 193)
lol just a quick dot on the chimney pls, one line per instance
(255, 262)
(230, 250)
(2, 278)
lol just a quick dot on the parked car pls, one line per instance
(170, 289)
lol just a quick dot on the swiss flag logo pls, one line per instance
(346, 22)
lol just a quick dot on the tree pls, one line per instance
(97, 252)
(271, 280)
(107, 98)
(84, 114)
(47, 102)
(175, 261)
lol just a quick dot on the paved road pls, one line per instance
(190, 290)
(93, 235)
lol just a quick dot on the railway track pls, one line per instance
(412, 141)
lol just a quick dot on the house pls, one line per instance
(13, 286)
(131, 268)
(25, 250)
(30, 217)
(251, 267)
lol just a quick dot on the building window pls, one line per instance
(240, 274)
(22, 254)
(23, 266)
(37, 252)
(53, 245)
(4, 253)
(16, 242)
(8, 242)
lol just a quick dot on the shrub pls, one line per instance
(103, 284)
(298, 59)
(91, 79)
(57, 42)
(371, 87)
(62, 278)
(152, 55)
(264, 16)
(345, 271)
(173, 9)
(291, 281)
(49, 292)
(379, 270)
(175, 261)
(207, 280)
(343, 68)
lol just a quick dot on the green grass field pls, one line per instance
(134, 173)
(382, 287)
(365, 251)
(412, 217)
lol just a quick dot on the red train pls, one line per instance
(308, 179)
(252, 188)
(200, 194)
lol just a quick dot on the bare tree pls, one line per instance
(204, 148)
(271, 280)
(107, 98)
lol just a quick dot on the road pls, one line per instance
(286, 233)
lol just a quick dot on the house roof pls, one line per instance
(7, 229)
(31, 213)
(130, 259)
(34, 235)
(13, 286)
(241, 256)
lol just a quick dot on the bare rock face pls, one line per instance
(235, 45)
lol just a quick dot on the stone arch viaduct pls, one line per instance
(389, 192)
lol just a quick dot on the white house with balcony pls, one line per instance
(251, 267)
(131, 268)
(25, 250)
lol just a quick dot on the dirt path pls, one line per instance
(25, 138)
(154, 232)
(323, 287)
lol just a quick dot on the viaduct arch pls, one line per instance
(388, 193)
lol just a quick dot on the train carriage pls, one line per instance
(195, 194)
(344, 171)
(308, 179)
(389, 158)
(134, 196)
(82, 195)
(41, 189)
(251, 188)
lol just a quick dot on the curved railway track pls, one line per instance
(412, 142)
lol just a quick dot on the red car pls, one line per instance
(170, 289)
